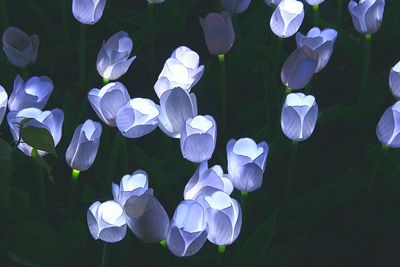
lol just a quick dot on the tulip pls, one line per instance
(113, 59)
(367, 15)
(205, 181)
(3, 103)
(394, 80)
(137, 118)
(272, 2)
(180, 70)
(134, 184)
(88, 11)
(235, 6)
(106, 221)
(246, 163)
(224, 217)
(146, 218)
(388, 128)
(299, 116)
(198, 138)
(51, 121)
(287, 18)
(84, 145)
(218, 32)
(34, 93)
(19, 48)
(320, 42)
(299, 68)
(187, 232)
(108, 101)
(314, 2)
(176, 106)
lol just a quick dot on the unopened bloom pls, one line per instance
(198, 138)
(299, 68)
(206, 180)
(367, 15)
(82, 150)
(134, 184)
(246, 163)
(394, 80)
(34, 93)
(113, 59)
(388, 128)
(314, 2)
(218, 32)
(50, 120)
(137, 118)
(287, 18)
(321, 42)
(299, 116)
(106, 221)
(146, 218)
(223, 215)
(3, 103)
(176, 106)
(88, 11)
(272, 2)
(180, 70)
(235, 6)
(19, 48)
(187, 232)
(108, 101)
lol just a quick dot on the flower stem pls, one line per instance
(82, 54)
(150, 25)
(4, 15)
(163, 243)
(221, 249)
(291, 170)
(224, 95)
(104, 256)
(113, 157)
(366, 68)
(316, 14)
(105, 81)
(64, 13)
(40, 187)
(25, 73)
(339, 12)
(74, 182)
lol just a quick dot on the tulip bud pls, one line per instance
(287, 18)
(272, 2)
(388, 128)
(176, 106)
(88, 11)
(246, 163)
(394, 80)
(82, 150)
(187, 232)
(314, 2)
(51, 120)
(224, 217)
(113, 58)
(235, 6)
(137, 118)
(146, 218)
(218, 32)
(106, 221)
(367, 15)
(299, 68)
(206, 181)
(180, 70)
(299, 116)
(198, 138)
(19, 48)
(108, 101)
(320, 42)
(3, 103)
(34, 93)
(134, 184)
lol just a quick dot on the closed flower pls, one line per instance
(134, 184)
(82, 150)
(287, 18)
(176, 106)
(180, 70)
(106, 221)
(246, 163)
(187, 232)
(367, 15)
(137, 118)
(235, 6)
(388, 128)
(88, 11)
(19, 48)
(113, 59)
(314, 2)
(3, 103)
(218, 32)
(50, 120)
(198, 138)
(320, 42)
(299, 116)
(394, 80)
(108, 101)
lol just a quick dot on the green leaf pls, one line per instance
(38, 138)
(43, 164)
(338, 112)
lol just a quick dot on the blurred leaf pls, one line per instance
(281, 255)
(338, 112)
(74, 235)
(42, 164)
(38, 138)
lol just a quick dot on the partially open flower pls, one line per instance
(88, 11)
(3, 103)
(106, 221)
(394, 80)
(134, 184)
(388, 129)
(367, 15)
(235, 6)
(19, 48)
(287, 18)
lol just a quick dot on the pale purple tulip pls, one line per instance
(88, 11)
(134, 184)
(3, 103)
(287, 18)
(367, 15)
(394, 80)
(388, 129)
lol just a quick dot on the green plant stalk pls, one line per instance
(339, 12)
(40, 187)
(124, 155)
(73, 189)
(114, 156)
(291, 170)
(104, 255)
(25, 73)
(150, 25)
(64, 13)
(372, 179)
(316, 15)
(366, 68)
(4, 15)
(82, 54)
(224, 93)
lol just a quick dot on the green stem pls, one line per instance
(64, 13)
(104, 256)
(40, 187)
(291, 170)
(124, 155)
(163, 243)
(105, 81)
(113, 157)
(82, 53)
(25, 73)
(224, 95)
(74, 182)
(221, 249)
(366, 68)
(339, 12)
(316, 15)
(150, 25)
(4, 15)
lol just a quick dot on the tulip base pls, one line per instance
(222, 73)
(366, 67)
(291, 170)
(221, 249)
(106, 81)
(316, 14)
(75, 174)
(163, 243)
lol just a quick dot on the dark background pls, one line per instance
(345, 210)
